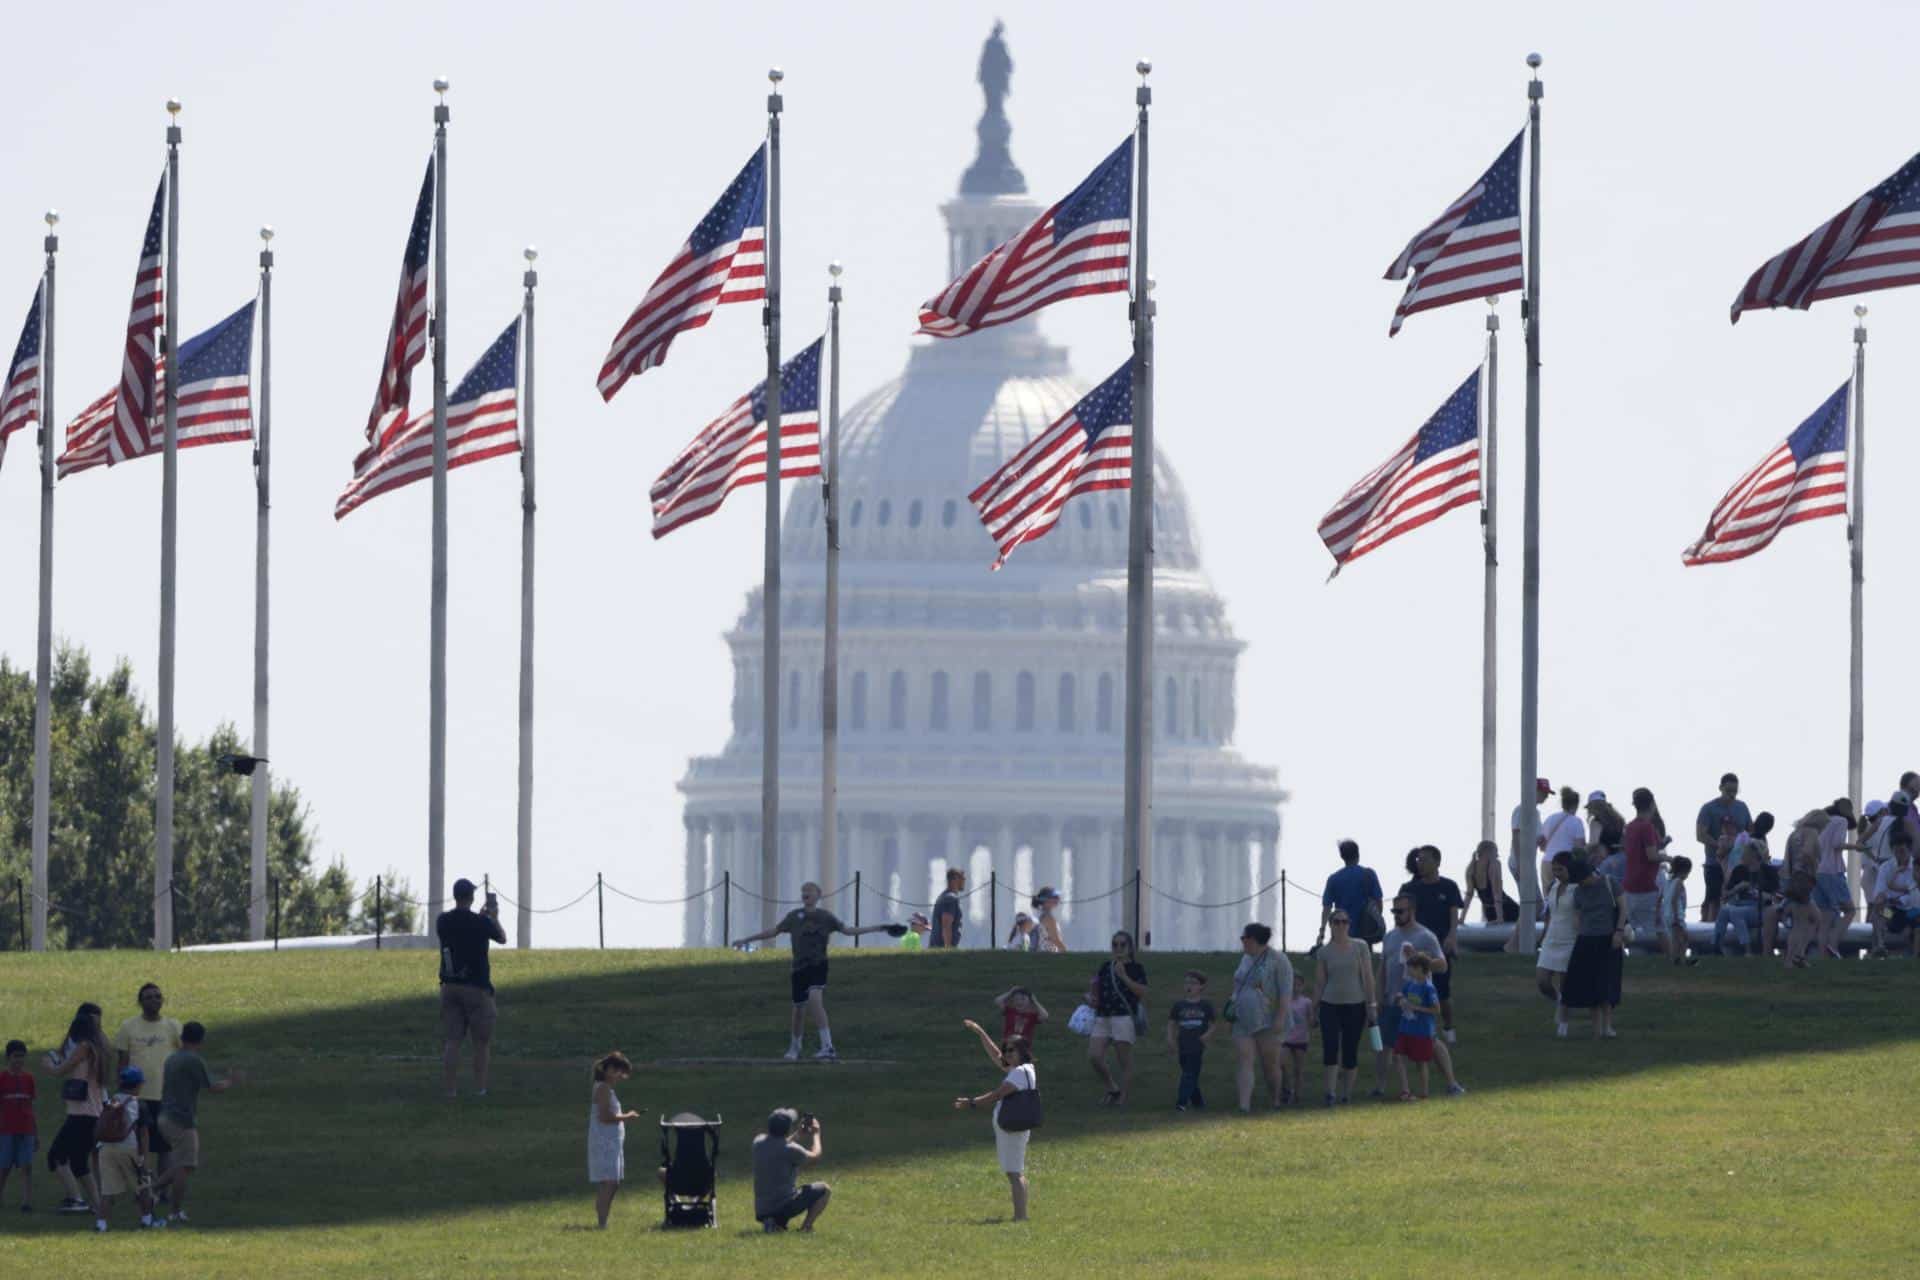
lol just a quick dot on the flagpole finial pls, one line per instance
(776, 75)
(834, 268)
(53, 218)
(266, 234)
(1144, 67)
(1534, 60)
(530, 253)
(440, 86)
(1860, 311)
(173, 107)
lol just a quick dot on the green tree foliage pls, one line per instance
(100, 852)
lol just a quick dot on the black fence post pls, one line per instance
(600, 899)
(1283, 909)
(726, 908)
(20, 896)
(275, 883)
(856, 911)
(379, 914)
(173, 910)
(993, 908)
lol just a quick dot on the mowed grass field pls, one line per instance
(1748, 1122)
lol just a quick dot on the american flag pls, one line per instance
(137, 402)
(1470, 251)
(1088, 449)
(1436, 471)
(20, 393)
(483, 421)
(215, 405)
(1873, 243)
(1803, 478)
(1079, 246)
(724, 260)
(731, 451)
(407, 337)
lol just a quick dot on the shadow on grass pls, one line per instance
(377, 1142)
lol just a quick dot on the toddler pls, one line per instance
(1673, 913)
(1189, 1028)
(1293, 1047)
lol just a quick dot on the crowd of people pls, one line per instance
(131, 1129)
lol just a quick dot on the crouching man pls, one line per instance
(791, 1141)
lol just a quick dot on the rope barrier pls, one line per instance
(1212, 906)
(660, 902)
(547, 911)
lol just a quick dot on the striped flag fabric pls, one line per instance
(215, 400)
(137, 403)
(407, 335)
(483, 421)
(1089, 448)
(1873, 243)
(1436, 471)
(20, 393)
(1470, 251)
(723, 261)
(1080, 246)
(731, 451)
(1802, 478)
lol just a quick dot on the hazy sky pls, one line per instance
(1295, 150)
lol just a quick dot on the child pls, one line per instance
(1673, 913)
(1189, 1028)
(1020, 1014)
(123, 1159)
(19, 1136)
(1293, 1060)
(607, 1132)
(1023, 936)
(1419, 1001)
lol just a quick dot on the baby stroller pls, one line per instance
(689, 1168)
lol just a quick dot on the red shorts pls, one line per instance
(1414, 1048)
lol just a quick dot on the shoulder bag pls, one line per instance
(1020, 1110)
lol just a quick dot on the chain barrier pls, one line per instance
(658, 902)
(1211, 906)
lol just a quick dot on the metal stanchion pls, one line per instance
(379, 914)
(726, 908)
(600, 899)
(856, 911)
(993, 908)
(275, 882)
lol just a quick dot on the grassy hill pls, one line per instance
(1748, 1121)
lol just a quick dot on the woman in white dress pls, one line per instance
(1046, 903)
(1015, 1058)
(1556, 948)
(607, 1132)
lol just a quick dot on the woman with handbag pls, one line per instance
(1259, 1011)
(1016, 1113)
(83, 1063)
(1119, 1017)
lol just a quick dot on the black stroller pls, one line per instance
(689, 1160)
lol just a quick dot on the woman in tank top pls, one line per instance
(1344, 1004)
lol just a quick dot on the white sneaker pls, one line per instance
(1449, 1034)
(1560, 1030)
(792, 1054)
(177, 1218)
(826, 1054)
(99, 1224)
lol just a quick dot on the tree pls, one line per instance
(100, 847)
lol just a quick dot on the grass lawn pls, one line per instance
(1748, 1122)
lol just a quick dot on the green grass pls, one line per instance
(1748, 1122)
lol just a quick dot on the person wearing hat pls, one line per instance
(122, 1160)
(466, 984)
(1517, 857)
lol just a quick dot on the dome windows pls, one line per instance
(897, 702)
(1103, 706)
(1067, 709)
(1113, 515)
(913, 514)
(858, 711)
(948, 512)
(937, 715)
(982, 701)
(883, 513)
(1023, 703)
(1086, 516)
(1173, 708)
(853, 520)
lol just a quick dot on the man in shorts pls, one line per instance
(184, 1078)
(811, 926)
(1406, 938)
(776, 1154)
(466, 985)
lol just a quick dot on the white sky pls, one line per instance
(1294, 152)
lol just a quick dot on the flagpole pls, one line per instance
(1857, 536)
(43, 677)
(169, 531)
(437, 660)
(524, 827)
(770, 584)
(1529, 869)
(830, 668)
(1138, 811)
(1489, 535)
(262, 476)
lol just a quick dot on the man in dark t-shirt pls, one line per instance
(1437, 907)
(811, 927)
(946, 911)
(466, 984)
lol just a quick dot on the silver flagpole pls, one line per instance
(1529, 869)
(770, 585)
(169, 531)
(830, 669)
(1857, 536)
(262, 476)
(1138, 814)
(524, 828)
(437, 661)
(43, 677)
(1490, 536)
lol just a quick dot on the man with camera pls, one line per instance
(466, 983)
(791, 1140)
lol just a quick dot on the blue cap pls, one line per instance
(131, 1076)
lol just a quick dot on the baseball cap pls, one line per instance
(463, 888)
(132, 1077)
(1596, 797)
(1541, 784)
(1876, 807)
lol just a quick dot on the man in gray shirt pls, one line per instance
(776, 1154)
(1402, 940)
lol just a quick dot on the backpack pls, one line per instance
(116, 1121)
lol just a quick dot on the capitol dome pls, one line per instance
(980, 712)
